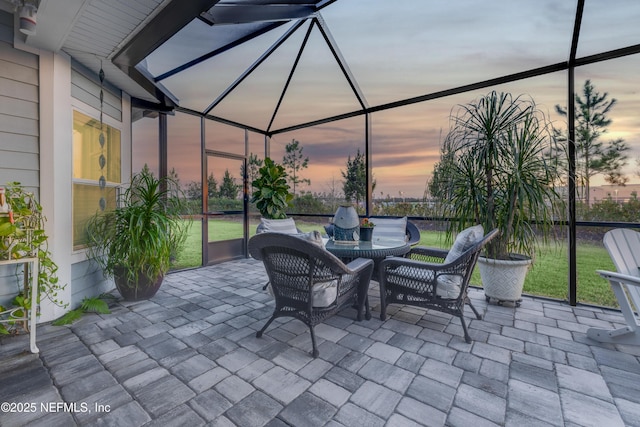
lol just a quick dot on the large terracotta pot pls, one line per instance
(144, 289)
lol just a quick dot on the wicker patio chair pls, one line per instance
(413, 234)
(422, 279)
(309, 283)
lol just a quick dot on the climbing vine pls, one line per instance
(22, 235)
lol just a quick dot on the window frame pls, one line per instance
(85, 109)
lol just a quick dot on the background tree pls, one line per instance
(253, 165)
(294, 161)
(354, 185)
(194, 188)
(332, 195)
(592, 156)
(229, 189)
(212, 186)
(441, 171)
(308, 203)
(176, 186)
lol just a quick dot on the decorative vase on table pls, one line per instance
(346, 224)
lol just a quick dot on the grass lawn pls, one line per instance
(548, 276)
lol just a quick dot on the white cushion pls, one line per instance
(449, 285)
(313, 236)
(464, 240)
(390, 229)
(285, 226)
(323, 295)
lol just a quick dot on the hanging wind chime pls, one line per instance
(102, 160)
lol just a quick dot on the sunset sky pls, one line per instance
(395, 50)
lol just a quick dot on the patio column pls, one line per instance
(56, 167)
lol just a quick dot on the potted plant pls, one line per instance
(366, 230)
(272, 196)
(495, 170)
(136, 242)
(271, 190)
(22, 235)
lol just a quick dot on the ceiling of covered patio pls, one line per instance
(333, 73)
(275, 64)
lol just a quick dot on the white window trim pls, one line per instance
(81, 254)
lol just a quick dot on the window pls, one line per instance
(96, 171)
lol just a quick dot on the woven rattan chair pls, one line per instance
(297, 268)
(422, 279)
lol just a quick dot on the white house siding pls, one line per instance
(87, 90)
(38, 92)
(19, 154)
(87, 280)
(19, 127)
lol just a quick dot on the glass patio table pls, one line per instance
(376, 250)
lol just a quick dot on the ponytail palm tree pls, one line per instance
(495, 171)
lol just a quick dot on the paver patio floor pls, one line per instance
(189, 357)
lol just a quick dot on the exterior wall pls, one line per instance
(85, 277)
(38, 92)
(87, 281)
(19, 129)
(19, 119)
(87, 90)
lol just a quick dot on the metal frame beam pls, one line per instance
(342, 63)
(255, 65)
(291, 73)
(163, 26)
(217, 52)
(571, 117)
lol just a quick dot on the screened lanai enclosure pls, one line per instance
(333, 81)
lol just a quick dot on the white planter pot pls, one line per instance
(503, 279)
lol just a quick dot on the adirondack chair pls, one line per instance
(623, 246)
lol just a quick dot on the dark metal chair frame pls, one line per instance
(294, 265)
(413, 280)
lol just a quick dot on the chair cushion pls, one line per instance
(285, 226)
(449, 285)
(313, 236)
(323, 295)
(390, 228)
(464, 240)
